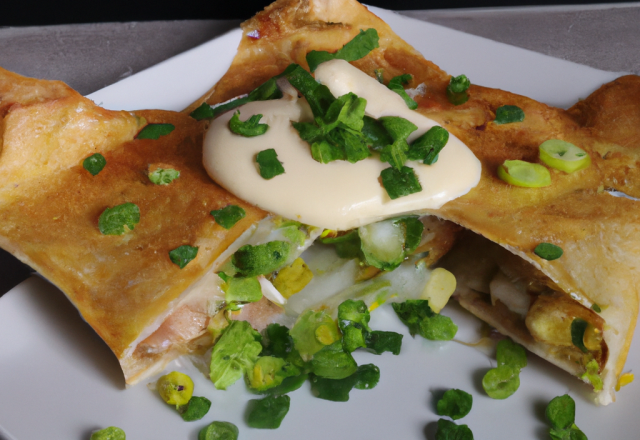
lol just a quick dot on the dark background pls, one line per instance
(38, 13)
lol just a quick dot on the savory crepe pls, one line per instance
(146, 308)
(500, 277)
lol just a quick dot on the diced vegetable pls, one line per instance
(219, 431)
(454, 403)
(525, 174)
(564, 156)
(175, 388)
(269, 412)
(234, 354)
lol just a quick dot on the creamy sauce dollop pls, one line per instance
(338, 195)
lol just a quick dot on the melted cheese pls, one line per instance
(338, 195)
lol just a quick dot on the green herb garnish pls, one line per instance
(454, 403)
(399, 129)
(267, 91)
(379, 342)
(110, 433)
(448, 430)
(94, 163)
(501, 382)
(457, 90)
(596, 308)
(512, 354)
(267, 413)
(376, 136)
(251, 261)
(234, 354)
(312, 332)
(269, 164)
(357, 48)
(396, 84)
(578, 327)
(196, 409)
(228, 216)
(548, 251)
(154, 131)
(428, 146)
(269, 372)
(419, 318)
(353, 320)
(333, 362)
(113, 221)
(181, 256)
(219, 431)
(508, 114)
(504, 380)
(399, 183)
(249, 128)
(337, 390)
(241, 290)
(561, 413)
(161, 176)
(204, 111)
(347, 245)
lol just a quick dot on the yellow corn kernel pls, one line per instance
(439, 288)
(623, 380)
(292, 279)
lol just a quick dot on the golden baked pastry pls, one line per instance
(126, 287)
(597, 231)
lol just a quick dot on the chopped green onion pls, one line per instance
(501, 382)
(396, 84)
(357, 48)
(113, 221)
(203, 112)
(269, 412)
(508, 114)
(332, 362)
(94, 163)
(400, 183)
(379, 342)
(512, 354)
(419, 318)
(154, 131)
(427, 147)
(110, 433)
(526, 174)
(564, 156)
(269, 164)
(181, 256)
(448, 430)
(240, 290)
(548, 251)
(161, 176)
(234, 354)
(596, 308)
(262, 259)
(457, 90)
(561, 413)
(367, 377)
(219, 431)
(249, 128)
(228, 216)
(454, 403)
(592, 375)
(195, 409)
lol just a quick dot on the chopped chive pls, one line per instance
(508, 114)
(112, 221)
(548, 251)
(181, 256)
(400, 183)
(94, 163)
(249, 128)
(269, 164)
(154, 131)
(228, 216)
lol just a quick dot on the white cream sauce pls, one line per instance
(338, 195)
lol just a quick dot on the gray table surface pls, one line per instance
(89, 57)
